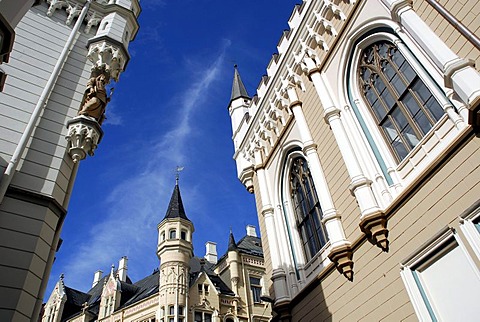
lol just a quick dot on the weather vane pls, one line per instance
(177, 173)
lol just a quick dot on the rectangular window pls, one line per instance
(200, 288)
(171, 310)
(442, 281)
(202, 317)
(205, 288)
(256, 288)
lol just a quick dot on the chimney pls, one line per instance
(97, 277)
(211, 252)
(251, 231)
(122, 268)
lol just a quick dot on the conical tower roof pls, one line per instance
(232, 245)
(238, 89)
(175, 207)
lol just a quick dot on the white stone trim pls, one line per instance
(471, 233)
(421, 257)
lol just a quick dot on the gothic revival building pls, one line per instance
(361, 148)
(183, 288)
(58, 58)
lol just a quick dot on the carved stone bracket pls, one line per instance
(375, 227)
(246, 177)
(107, 56)
(342, 256)
(84, 134)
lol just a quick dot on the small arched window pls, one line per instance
(172, 234)
(402, 106)
(308, 213)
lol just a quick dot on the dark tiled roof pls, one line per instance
(232, 245)
(143, 289)
(250, 245)
(175, 207)
(238, 89)
(75, 297)
(247, 245)
(200, 265)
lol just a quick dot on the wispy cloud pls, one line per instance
(112, 117)
(128, 224)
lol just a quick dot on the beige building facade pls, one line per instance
(183, 288)
(361, 146)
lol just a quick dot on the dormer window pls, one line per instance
(172, 234)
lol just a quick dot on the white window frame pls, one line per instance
(432, 144)
(307, 269)
(429, 249)
(469, 230)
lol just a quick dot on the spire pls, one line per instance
(175, 207)
(232, 245)
(238, 89)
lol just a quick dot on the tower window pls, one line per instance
(172, 234)
(308, 213)
(401, 104)
(183, 235)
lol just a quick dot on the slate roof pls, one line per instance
(250, 245)
(175, 207)
(247, 245)
(232, 245)
(200, 265)
(238, 89)
(143, 289)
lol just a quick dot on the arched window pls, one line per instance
(308, 213)
(172, 234)
(402, 106)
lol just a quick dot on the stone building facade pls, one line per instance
(361, 146)
(58, 57)
(183, 288)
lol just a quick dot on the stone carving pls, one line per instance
(83, 137)
(95, 99)
(108, 57)
(54, 5)
(73, 12)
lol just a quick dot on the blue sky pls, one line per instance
(170, 108)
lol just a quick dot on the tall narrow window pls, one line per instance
(256, 289)
(308, 212)
(401, 104)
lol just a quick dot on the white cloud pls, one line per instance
(131, 210)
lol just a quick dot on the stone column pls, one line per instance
(372, 219)
(340, 253)
(278, 275)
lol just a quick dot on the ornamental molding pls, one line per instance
(84, 135)
(73, 10)
(107, 56)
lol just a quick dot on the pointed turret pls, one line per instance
(232, 245)
(175, 250)
(175, 207)
(238, 89)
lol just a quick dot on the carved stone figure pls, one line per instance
(95, 99)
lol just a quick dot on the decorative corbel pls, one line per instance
(93, 19)
(73, 12)
(342, 256)
(336, 11)
(54, 5)
(325, 24)
(374, 226)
